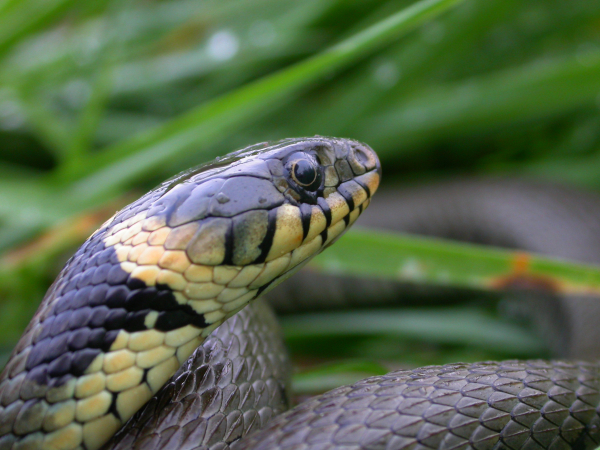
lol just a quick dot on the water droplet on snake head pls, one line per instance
(222, 198)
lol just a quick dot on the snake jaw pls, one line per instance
(154, 281)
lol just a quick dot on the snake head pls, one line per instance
(143, 292)
(264, 202)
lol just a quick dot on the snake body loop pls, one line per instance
(507, 405)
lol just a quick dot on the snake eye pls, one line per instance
(303, 172)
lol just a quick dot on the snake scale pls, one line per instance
(157, 280)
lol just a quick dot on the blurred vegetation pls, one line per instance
(101, 100)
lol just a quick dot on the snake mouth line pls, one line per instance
(357, 194)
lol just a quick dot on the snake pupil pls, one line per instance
(304, 172)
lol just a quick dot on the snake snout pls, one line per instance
(363, 155)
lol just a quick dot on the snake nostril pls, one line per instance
(362, 156)
(366, 157)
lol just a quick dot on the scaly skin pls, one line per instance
(233, 384)
(513, 404)
(510, 405)
(156, 279)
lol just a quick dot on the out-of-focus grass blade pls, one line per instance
(81, 142)
(289, 25)
(27, 199)
(49, 128)
(27, 17)
(156, 26)
(320, 379)
(455, 326)
(377, 254)
(121, 164)
(27, 206)
(91, 113)
(538, 90)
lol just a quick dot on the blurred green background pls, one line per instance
(101, 100)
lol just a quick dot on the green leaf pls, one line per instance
(379, 254)
(537, 90)
(18, 19)
(329, 376)
(126, 162)
(454, 326)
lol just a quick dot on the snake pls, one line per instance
(152, 336)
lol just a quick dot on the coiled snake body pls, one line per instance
(159, 277)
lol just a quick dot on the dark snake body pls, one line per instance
(146, 289)
(236, 382)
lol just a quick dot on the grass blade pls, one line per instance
(123, 163)
(455, 326)
(435, 261)
(27, 18)
(538, 90)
